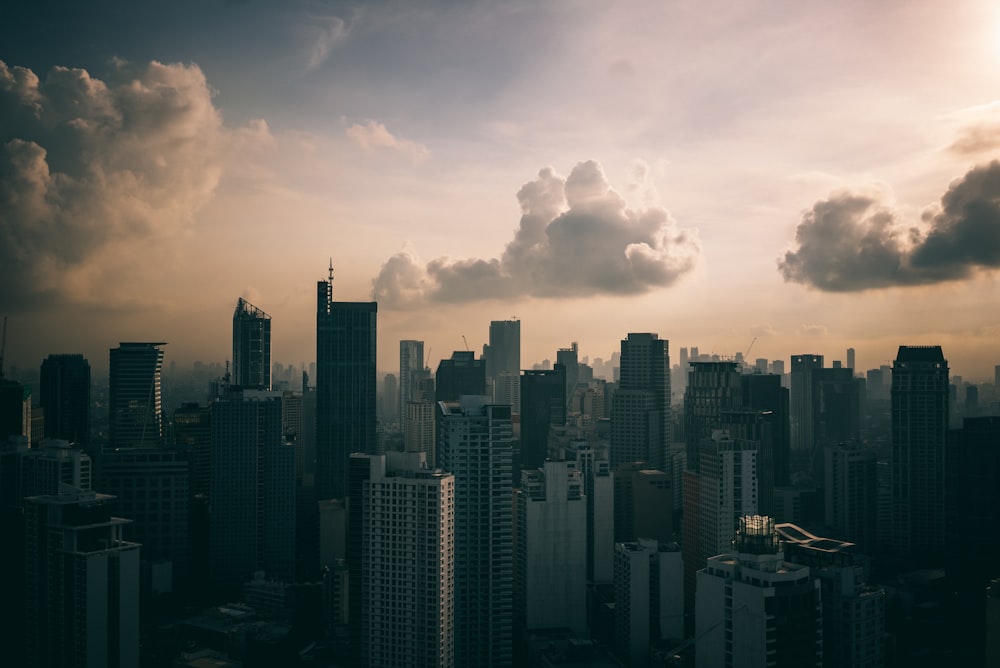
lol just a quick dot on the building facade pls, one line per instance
(134, 402)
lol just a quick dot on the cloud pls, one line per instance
(325, 33)
(851, 242)
(576, 238)
(373, 136)
(89, 168)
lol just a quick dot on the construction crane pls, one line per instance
(746, 355)
(465, 342)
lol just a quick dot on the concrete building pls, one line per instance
(649, 597)
(345, 386)
(403, 612)
(82, 583)
(550, 575)
(756, 609)
(599, 489)
(475, 442)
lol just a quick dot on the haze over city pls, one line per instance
(815, 175)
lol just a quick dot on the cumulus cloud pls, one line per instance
(88, 166)
(852, 242)
(576, 238)
(373, 136)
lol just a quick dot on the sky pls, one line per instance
(765, 177)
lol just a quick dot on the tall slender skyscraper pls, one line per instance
(251, 347)
(919, 433)
(475, 443)
(136, 412)
(345, 386)
(503, 361)
(543, 405)
(411, 367)
(65, 398)
(801, 404)
(640, 409)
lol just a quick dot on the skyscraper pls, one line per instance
(251, 347)
(503, 361)
(543, 405)
(919, 432)
(64, 396)
(475, 443)
(345, 386)
(649, 597)
(851, 489)
(82, 583)
(411, 367)
(801, 401)
(640, 409)
(712, 389)
(404, 607)
(136, 413)
(462, 374)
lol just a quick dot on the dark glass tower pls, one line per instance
(136, 414)
(251, 347)
(345, 386)
(65, 398)
(640, 409)
(461, 375)
(505, 348)
(543, 405)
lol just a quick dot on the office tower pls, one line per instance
(599, 490)
(543, 406)
(64, 396)
(853, 612)
(801, 401)
(550, 574)
(763, 428)
(643, 503)
(15, 410)
(476, 442)
(713, 388)
(252, 491)
(151, 488)
(568, 357)
(640, 409)
(756, 609)
(649, 598)
(345, 386)
(461, 375)
(919, 432)
(764, 393)
(135, 411)
(836, 410)
(851, 360)
(251, 347)
(503, 360)
(404, 614)
(389, 403)
(851, 490)
(82, 583)
(411, 367)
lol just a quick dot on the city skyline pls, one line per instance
(725, 176)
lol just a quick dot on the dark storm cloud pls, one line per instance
(852, 242)
(88, 168)
(576, 238)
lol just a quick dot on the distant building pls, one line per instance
(756, 609)
(461, 375)
(851, 490)
(82, 583)
(712, 389)
(64, 396)
(543, 406)
(251, 347)
(640, 408)
(345, 386)
(503, 360)
(411, 368)
(134, 402)
(801, 403)
(649, 598)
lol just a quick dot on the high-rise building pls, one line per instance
(345, 386)
(712, 389)
(853, 611)
(851, 489)
(64, 396)
(543, 406)
(15, 409)
(599, 489)
(503, 358)
(835, 415)
(411, 368)
(640, 409)
(82, 583)
(251, 347)
(550, 574)
(919, 433)
(756, 609)
(649, 598)
(135, 408)
(404, 614)
(801, 401)
(569, 358)
(475, 443)
(461, 375)
(252, 491)
(851, 359)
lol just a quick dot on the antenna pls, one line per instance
(331, 270)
